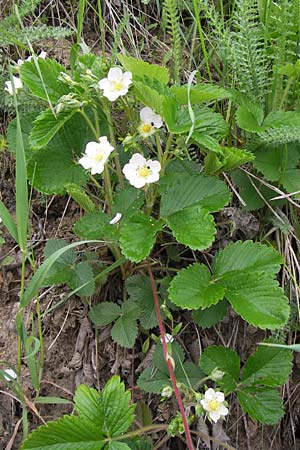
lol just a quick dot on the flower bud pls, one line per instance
(216, 374)
(166, 392)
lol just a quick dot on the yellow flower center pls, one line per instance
(144, 171)
(213, 405)
(146, 128)
(99, 157)
(118, 86)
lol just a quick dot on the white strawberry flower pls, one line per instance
(16, 83)
(213, 403)
(116, 84)
(139, 171)
(149, 122)
(96, 155)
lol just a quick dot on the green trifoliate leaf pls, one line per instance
(193, 227)
(117, 410)
(263, 404)
(269, 366)
(96, 225)
(224, 359)
(70, 432)
(104, 313)
(208, 317)
(44, 83)
(137, 236)
(183, 191)
(193, 288)
(247, 256)
(250, 117)
(140, 290)
(141, 68)
(46, 125)
(125, 330)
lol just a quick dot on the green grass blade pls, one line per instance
(8, 221)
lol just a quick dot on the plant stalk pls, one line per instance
(168, 361)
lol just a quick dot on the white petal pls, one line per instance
(86, 162)
(153, 177)
(154, 165)
(29, 58)
(138, 160)
(127, 77)
(104, 83)
(138, 182)
(223, 410)
(116, 219)
(97, 168)
(115, 74)
(20, 62)
(11, 375)
(204, 403)
(129, 171)
(210, 394)
(111, 95)
(146, 114)
(105, 145)
(157, 122)
(91, 149)
(214, 415)
(220, 397)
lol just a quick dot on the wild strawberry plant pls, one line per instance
(120, 140)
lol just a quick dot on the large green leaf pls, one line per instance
(125, 330)
(247, 256)
(127, 201)
(193, 227)
(46, 125)
(184, 191)
(26, 126)
(43, 81)
(257, 298)
(224, 359)
(61, 270)
(141, 68)
(82, 275)
(269, 366)
(263, 404)
(117, 410)
(68, 433)
(137, 236)
(193, 288)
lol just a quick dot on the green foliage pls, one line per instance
(41, 77)
(124, 331)
(199, 93)
(226, 159)
(140, 68)
(208, 317)
(65, 270)
(80, 197)
(173, 29)
(262, 372)
(223, 359)
(95, 225)
(140, 291)
(153, 379)
(242, 273)
(137, 236)
(101, 417)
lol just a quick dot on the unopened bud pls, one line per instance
(166, 392)
(216, 374)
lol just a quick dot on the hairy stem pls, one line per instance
(167, 358)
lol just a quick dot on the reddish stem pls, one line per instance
(167, 358)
